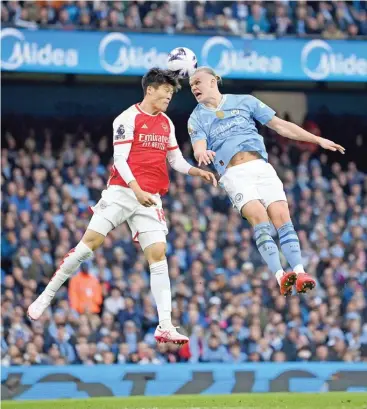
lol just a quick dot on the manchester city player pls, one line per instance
(222, 130)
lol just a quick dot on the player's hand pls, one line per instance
(331, 146)
(205, 157)
(208, 177)
(145, 198)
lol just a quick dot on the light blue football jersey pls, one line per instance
(230, 128)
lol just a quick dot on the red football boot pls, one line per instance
(286, 283)
(304, 283)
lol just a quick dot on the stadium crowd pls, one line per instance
(224, 297)
(330, 19)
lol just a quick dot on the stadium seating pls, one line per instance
(224, 296)
(332, 20)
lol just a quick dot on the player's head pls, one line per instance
(204, 84)
(159, 86)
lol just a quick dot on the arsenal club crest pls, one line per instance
(164, 126)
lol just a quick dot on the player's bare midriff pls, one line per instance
(243, 157)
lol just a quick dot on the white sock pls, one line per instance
(68, 267)
(161, 290)
(299, 269)
(279, 275)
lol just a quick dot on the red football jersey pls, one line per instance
(151, 137)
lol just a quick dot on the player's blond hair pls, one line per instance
(209, 71)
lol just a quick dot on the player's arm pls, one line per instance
(266, 116)
(123, 136)
(295, 132)
(180, 164)
(199, 142)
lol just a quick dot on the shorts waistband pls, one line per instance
(242, 165)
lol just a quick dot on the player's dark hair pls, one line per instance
(156, 77)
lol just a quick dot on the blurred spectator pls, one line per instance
(64, 21)
(235, 354)
(257, 23)
(281, 23)
(332, 32)
(214, 351)
(85, 292)
(362, 22)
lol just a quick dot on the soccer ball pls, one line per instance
(182, 61)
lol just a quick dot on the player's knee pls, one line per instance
(254, 220)
(97, 230)
(93, 239)
(254, 212)
(279, 213)
(155, 252)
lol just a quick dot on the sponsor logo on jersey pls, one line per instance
(225, 127)
(220, 114)
(235, 111)
(154, 141)
(238, 197)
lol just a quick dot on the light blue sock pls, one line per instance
(289, 244)
(267, 247)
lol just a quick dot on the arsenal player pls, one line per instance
(143, 139)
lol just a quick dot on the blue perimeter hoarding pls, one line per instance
(82, 381)
(118, 53)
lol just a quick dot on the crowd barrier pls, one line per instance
(79, 381)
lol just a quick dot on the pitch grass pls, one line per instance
(332, 400)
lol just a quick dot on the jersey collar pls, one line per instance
(221, 103)
(137, 106)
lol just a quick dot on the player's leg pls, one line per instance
(153, 244)
(149, 225)
(83, 251)
(289, 243)
(91, 240)
(275, 200)
(240, 183)
(155, 253)
(255, 212)
(107, 214)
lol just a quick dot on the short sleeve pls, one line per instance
(194, 129)
(260, 111)
(123, 129)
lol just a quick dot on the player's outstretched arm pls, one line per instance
(201, 154)
(179, 163)
(208, 177)
(295, 132)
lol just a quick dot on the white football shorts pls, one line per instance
(119, 204)
(254, 180)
